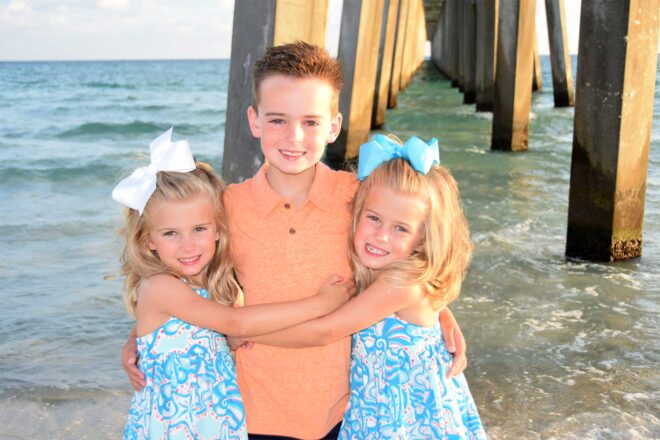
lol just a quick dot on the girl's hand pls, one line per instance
(235, 343)
(129, 358)
(335, 293)
(455, 342)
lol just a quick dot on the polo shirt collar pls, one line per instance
(268, 199)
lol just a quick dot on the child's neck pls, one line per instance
(294, 187)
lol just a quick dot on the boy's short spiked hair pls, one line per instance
(298, 60)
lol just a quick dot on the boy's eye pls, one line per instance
(312, 123)
(277, 121)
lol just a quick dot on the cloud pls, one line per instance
(17, 12)
(115, 5)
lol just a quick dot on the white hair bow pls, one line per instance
(135, 190)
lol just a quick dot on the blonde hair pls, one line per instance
(138, 262)
(439, 268)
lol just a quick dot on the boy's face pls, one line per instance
(294, 122)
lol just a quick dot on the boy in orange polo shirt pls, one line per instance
(288, 228)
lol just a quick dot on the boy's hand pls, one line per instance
(335, 291)
(455, 342)
(129, 363)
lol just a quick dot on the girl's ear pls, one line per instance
(150, 244)
(335, 128)
(253, 120)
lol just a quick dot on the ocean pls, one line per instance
(557, 349)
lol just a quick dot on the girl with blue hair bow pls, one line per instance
(410, 249)
(180, 288)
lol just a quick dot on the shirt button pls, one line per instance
(292, 231)
(287, 206)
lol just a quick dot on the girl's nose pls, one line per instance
(382, 235)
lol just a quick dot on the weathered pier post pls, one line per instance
(453, 43)
(617, 61)
(359, 39)
(537, 76)
(562, 78)
(411, 49)
(513, 81)
(259, 24)
(399, 42)
(469, 51)
(385, 57)
(486, 52)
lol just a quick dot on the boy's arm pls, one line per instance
(129, 362)
(454, 341)
(372, 305)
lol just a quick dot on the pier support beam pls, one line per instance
(453, 34)
(385, 57)
(469, 51)
(513, 81)
(259, 24)
(486, 52)
(617, 61)
(562, 78)
(359, 39)
(399, 42)
(537, 75)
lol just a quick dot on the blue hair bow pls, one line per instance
(420, 155)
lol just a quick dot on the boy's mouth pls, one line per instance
(373, 250)
(190, 261)
(292, 154)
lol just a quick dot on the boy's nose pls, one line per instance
(296, 132)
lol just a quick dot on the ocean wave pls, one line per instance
(103, 128)
(109, 85)
(97, 171)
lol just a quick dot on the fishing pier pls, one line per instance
(488, 49)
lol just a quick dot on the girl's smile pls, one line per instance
(390, 228)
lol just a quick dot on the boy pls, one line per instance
(288, 228)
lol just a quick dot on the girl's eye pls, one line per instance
(169, 233)
(200, 229)
(401, 229)
(372, 218)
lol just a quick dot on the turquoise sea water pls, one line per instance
(557, 349)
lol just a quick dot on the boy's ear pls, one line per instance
(253, 120)
(335, 128)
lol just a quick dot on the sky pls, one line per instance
(33, 30)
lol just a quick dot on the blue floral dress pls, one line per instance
(191, 389)
(399, 388)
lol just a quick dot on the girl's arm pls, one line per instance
(372, 305)
(168, 296)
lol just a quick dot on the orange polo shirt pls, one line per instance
(285, 253)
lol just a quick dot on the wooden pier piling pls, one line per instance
(617, 62)
(385, 58)
(399, 43)
(513, 81)
(469, 51)
(359, 40)
(486, 53)
(562, 78)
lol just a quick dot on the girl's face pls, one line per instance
(390, 227)
(184, 235)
